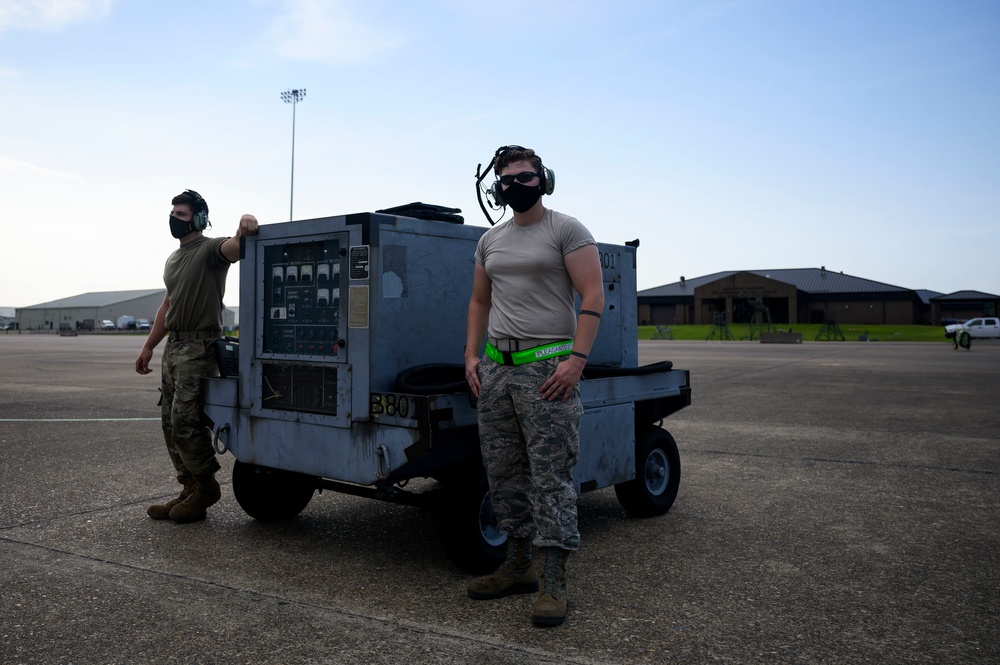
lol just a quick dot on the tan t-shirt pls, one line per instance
(532, 295)
(195, 276)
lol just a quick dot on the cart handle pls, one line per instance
(215, 442)
(382, 468)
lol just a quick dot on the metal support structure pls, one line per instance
(293, 97)
(719, 327)
(756, 325)
(662, 332)
(830, 331)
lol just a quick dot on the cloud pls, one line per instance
(15, 166)
(49, 15)
(328, 32)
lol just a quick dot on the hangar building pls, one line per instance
(803, 295)
(963, 305)
(87, 310)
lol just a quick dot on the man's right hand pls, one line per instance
(142, 362)
(472, 374)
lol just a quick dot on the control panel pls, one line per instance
(302, 297)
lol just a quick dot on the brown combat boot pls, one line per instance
(161, 511)
(549, 609)
(193, 508)
(515, 575)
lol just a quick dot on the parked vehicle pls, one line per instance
(126, 322)
(985, 327)
(107, 324)
(142, 324)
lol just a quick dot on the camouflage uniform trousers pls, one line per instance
(530, 446)
(189, 444)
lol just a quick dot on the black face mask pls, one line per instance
(179, 228)
(521, 197)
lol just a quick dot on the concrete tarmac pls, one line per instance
(838, 504)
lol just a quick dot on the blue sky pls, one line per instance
(861, 136)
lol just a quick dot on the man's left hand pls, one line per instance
(560, 385)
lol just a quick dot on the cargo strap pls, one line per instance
(554, 350)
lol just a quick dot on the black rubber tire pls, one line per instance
(964, 339)
(468, 528)
(271, 495)
(657, 474)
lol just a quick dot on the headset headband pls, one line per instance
(198, 200)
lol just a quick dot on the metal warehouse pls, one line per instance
(87, 310)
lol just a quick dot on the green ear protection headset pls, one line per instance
(200, 220)
(494, 195)
(547, 179)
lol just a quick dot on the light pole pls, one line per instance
(293, 97)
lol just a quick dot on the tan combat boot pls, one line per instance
(515, 575)
(161, 511)
(193, 508)
(549, 609)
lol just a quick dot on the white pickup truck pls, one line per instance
(983, 327)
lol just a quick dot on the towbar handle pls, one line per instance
(224, 448)
(382, 468)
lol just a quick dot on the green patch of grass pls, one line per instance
(852, 332)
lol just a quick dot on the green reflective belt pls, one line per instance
(553, 350)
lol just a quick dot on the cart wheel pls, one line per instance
(469, 532)
(270, 495)
(657, 474)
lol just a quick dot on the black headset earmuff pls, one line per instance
(496, 193)
(547, 180)
(200, 220)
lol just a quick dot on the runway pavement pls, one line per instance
(839, 504)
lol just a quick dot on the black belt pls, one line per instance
(177, 335)
(510, 344)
